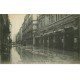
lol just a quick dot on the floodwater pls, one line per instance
(30, 55)
(15, 57)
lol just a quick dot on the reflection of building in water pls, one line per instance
(5, 39)
(59, 31)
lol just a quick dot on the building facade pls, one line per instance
(19, 37)
(51, 31)
(5, 40)
(26, 34)
(59, 31)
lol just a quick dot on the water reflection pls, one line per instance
(38, 55)
(15, 57)
(6, 55)
(27, 55)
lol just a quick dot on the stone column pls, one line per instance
(48, 42)
(43, 42)
(63, 41)
(33, 40)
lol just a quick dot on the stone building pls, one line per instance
(51, 31)
(19, 37)
(5, 40)
(58, 31)
(28, 29)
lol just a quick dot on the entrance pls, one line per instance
(51, 40)
(69, 39)
(58, 39)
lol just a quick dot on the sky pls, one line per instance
(16, 22)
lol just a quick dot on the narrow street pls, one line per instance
(15, 57)
(29, 55)
(44, 39)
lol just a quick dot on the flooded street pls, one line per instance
(23, 55)
(44, 39)
(15, 57)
